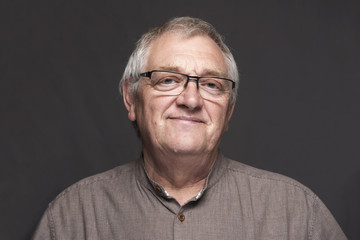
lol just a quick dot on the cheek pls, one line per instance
(151, 111)
(217, 112)
(220, 117)
(157, 107)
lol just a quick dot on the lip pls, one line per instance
(187, 119)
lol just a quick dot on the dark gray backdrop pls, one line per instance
(62, 118)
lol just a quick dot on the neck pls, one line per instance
(182, 176)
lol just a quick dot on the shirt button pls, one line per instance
(158, 189)
(181, 217)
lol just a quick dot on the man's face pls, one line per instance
(186, 123)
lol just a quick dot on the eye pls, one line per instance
(167, 81)
(211, 84)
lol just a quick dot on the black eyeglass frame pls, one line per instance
(194, 78)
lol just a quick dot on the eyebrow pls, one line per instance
(205, 72)
(170, 68)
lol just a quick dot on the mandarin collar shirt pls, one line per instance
(236, 202)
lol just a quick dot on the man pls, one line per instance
(179, 88)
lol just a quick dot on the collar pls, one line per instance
(213, 177)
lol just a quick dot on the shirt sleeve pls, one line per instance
(324, 225)
(45, 228)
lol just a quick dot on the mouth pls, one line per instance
(187, 119)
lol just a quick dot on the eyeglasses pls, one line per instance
(174, 83)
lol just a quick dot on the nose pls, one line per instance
(190, 96)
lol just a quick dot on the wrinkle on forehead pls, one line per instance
(197, 55)
(204, 72)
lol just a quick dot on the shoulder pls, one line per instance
(265, 180)
(273, 198)
(81, 205)
(118, 177)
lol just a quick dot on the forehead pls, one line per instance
(193, 55)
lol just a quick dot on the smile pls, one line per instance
(187, 119)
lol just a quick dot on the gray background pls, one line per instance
(62, 118)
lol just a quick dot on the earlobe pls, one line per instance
(129, 100)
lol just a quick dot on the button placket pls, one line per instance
(181, 217)
(183, 225)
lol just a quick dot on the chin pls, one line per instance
(186, 149)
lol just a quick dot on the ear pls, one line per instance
(229, 114)
(129, 100)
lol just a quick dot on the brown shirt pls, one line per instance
(237, 202)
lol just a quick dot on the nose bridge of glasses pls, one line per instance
(192, 78)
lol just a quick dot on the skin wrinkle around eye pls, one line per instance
(173, 81)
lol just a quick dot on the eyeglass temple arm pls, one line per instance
(146, 74)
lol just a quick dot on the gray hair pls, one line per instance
(187, 27)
